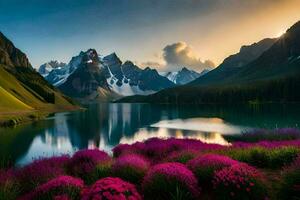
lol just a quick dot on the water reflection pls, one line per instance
(106, 125)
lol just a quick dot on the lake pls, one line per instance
(105, 125)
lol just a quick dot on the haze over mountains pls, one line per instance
(108, 78)
(270, 73)
(21, 87)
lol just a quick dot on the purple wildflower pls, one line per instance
(111, 189)
(168, 180)
(85, 162)
(41, 170)
(205, 166)
(131, 168)
(239, 181)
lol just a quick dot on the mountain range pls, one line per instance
(22, 88)
(108, 78)
(262, 72)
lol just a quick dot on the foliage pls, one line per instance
(63, 186)
(290, 184)
(182, 156)
(9, 186)
(272, 158)
(282, 134)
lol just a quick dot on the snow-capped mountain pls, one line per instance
(128, 79)
(87, 73)
(183, 76)
(87, 80)
(46, 68)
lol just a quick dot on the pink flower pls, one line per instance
(85, 161)
(111, 189)
(205, 166)
(237, 179)
(131, 168)
(41, 171)
(163, 180)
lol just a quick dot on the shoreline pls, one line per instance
(16, 118)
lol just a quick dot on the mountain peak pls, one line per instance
(128, 62)
(47, 67)
(184, 69)
(112, 56)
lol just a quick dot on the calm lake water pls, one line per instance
(106, 125)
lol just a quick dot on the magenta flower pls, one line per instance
(131, 168)
(41, 171)
(239, 181)
(84, 162)
(122, 149)
(61, 187)
(158, 149)
(170, 180)
(111, 189)
(205, 166)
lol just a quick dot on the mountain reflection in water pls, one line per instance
(106, 125)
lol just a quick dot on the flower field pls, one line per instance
(258, 165)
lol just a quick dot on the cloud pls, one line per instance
(180, 55)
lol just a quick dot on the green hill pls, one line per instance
(9, 102)
(22, 89)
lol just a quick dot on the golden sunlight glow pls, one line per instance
(280, 33)
(208, 130)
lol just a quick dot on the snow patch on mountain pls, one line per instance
(183, 76)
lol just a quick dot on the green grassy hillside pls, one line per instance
(24, 94)
(9, 102)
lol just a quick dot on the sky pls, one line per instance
(166, 34)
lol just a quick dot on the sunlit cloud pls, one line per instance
(180, 55)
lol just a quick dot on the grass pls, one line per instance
(8, 101)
